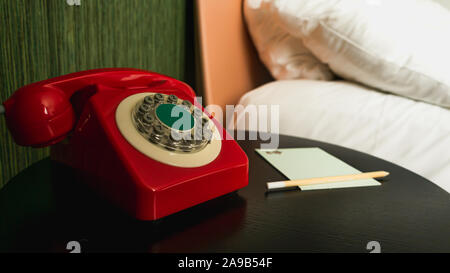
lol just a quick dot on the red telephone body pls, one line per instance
(78, 115)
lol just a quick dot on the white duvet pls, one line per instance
(411, 134)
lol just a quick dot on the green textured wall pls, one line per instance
(40, 39)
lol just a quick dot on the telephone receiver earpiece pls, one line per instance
(44, 113)
(39, 115)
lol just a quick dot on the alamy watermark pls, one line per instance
(374, 247)
(73, 247)
(73, 2)
(255, 122)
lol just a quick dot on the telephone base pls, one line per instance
(146, 188)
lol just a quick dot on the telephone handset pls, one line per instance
(138, 138)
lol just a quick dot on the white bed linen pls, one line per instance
(411, 134)
(379, 43)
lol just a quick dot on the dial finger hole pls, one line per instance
(187, 103)
(148, 119)
(172, 98)
(149, 100)
(197, 113)
(144, 108)
(158, 129)
(159, 97)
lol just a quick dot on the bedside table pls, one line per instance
(44, 207)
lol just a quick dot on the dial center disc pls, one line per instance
(175, 116)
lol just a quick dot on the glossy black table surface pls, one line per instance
(43, 208)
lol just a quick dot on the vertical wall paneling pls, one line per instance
(40, 39)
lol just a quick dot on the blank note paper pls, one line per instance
(302, 163)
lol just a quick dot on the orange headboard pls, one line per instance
(229, 63)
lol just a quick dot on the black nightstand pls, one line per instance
(44, 208)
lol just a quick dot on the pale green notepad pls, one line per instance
(302, 163)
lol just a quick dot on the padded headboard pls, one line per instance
(229, 63)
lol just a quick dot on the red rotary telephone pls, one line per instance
(139, 138)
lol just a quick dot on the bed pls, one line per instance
(412, 134)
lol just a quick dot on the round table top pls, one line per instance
(43, 208)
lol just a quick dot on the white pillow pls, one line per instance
(399, 46)
(283, 55)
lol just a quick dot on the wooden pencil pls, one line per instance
(325, 180)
